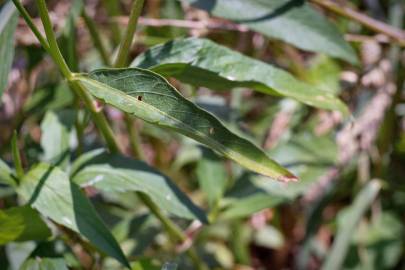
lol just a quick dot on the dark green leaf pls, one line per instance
(44, 264)
(21, 224)
(49, 190)
(292, 21)
(8, 24)
(110, 172)
(150, 97)
(205, 63)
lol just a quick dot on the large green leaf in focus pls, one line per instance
(150, 97)
(8, 24)
(22, 224)
(117, 173)
(202, 62)
(292, 21)
(49, 190)
(44, 264)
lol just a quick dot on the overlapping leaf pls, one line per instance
(117, 173)
(150, 97)
(204, 63)
(8, 23)
(49, 190)
(292, 21)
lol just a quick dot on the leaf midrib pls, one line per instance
(223, 149)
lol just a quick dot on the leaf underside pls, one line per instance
(150, 97)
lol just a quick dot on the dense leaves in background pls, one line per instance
(202, 134)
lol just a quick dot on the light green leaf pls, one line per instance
(150, 97)
(22, 224)
(347, 222)
(294, 22)
(44, 264)
(55, 139)
(117, 173)
(6, 174)
(8, 24)
(204, 63)
(324, 73)
(49, 190)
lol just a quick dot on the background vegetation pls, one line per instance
(202, 134)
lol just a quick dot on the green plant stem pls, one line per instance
(173, 230)
(97, 115)
(113, 9)
(32, 26)
(126, 43)
(54, 48)
(121, 61)
(175, 233)
(95, 36)
(16, 157)
(134, 138)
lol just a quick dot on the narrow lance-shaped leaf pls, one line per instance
(150, 97)
(109, 172)
(293, 21)
(347, 222)
(8, 24)
(49, 190)
(202, 62)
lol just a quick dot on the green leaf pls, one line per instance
(150, 97)
(347, 222)
(202, 62)
(8, 24)
(117, 173)
(49, 190)
(55, 139)
(44, 264)
(294, 22)
(211, 176)
(22, 224)
(6, 174)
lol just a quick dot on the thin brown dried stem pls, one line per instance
(394, 33)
